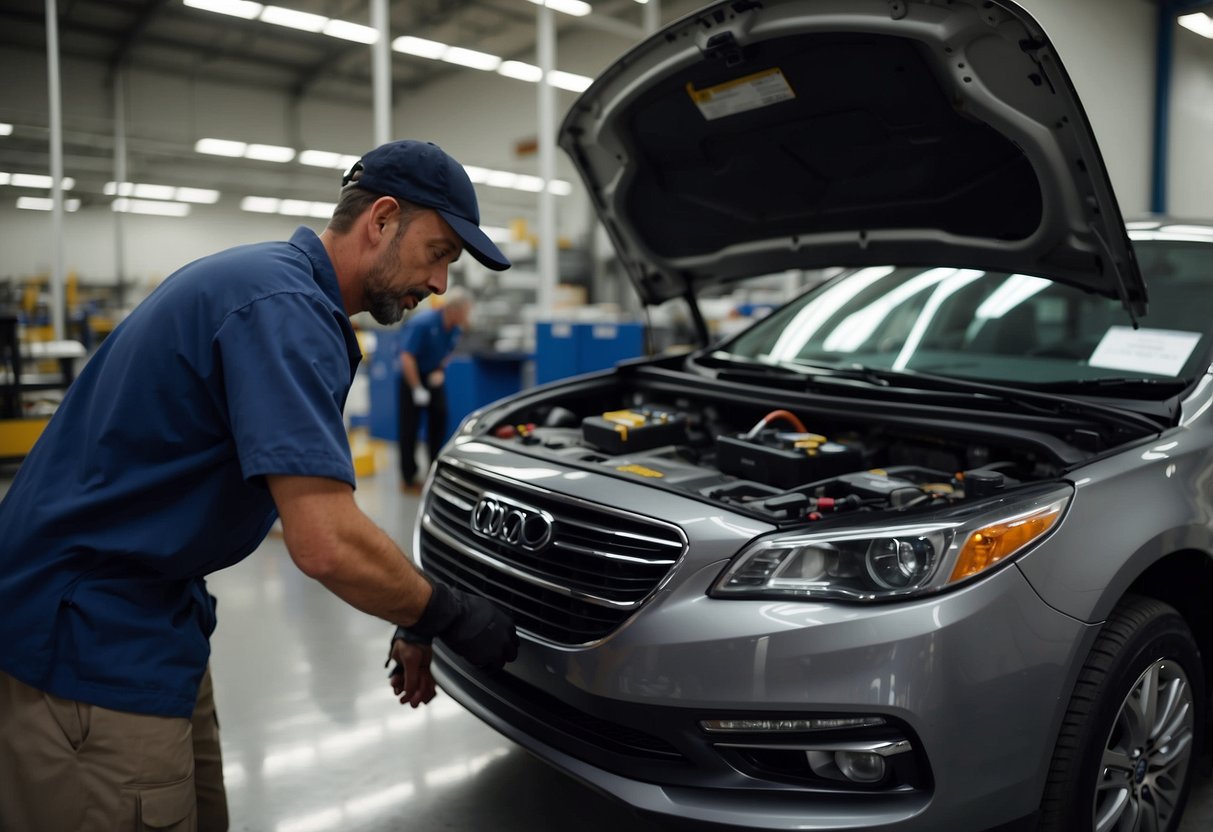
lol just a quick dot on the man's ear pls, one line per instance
(381, 213)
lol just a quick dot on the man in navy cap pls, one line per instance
(212, 410)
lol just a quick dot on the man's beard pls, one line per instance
(385, 304)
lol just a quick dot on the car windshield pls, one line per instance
(998, 327)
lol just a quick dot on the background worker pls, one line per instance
(426, 342)
(213, 409)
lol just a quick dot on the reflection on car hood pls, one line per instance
(750, 138)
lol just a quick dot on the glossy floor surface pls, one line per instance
(314, 741)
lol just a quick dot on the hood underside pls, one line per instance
(756, 137)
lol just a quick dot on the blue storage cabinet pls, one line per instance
(472, 381)
(385, 382)
(602, 346)
(556, 348)
(564, 348)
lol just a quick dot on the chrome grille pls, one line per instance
(600, 566)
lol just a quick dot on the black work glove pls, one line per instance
(468, 624)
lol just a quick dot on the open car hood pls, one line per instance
(755, 137)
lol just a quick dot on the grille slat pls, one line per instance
(600, 566)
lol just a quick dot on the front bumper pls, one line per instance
(975, 680)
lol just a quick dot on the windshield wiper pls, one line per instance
(797, 369)
(1026, 397)
(1153, 387)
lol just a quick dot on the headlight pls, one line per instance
(874, 564)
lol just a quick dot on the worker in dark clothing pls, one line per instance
(426, 342)
(212, 410)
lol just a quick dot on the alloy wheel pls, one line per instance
(1145, 759)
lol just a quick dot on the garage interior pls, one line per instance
(177, 129)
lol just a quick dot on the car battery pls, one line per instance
(631, 431)
(785, 460)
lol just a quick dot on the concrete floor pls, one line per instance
(313, 739)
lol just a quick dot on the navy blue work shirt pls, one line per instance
(425, 338)
(151, 473)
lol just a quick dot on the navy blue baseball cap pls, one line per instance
(425, 175)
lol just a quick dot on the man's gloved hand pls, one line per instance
(468, 624)
(421, 396)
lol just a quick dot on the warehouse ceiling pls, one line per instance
(169, 37)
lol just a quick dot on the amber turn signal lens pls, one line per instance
(996, 542)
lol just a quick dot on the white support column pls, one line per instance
(56, 148)
(548, 263)
(381, 60)
(120, 176)
(652, 16)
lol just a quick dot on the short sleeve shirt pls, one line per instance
(424, 337)
(151, 474)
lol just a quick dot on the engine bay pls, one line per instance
(777, 464)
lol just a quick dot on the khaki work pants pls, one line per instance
(68, 765)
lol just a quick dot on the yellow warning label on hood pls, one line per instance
(762, 89)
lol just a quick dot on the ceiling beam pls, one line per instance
(133, 34)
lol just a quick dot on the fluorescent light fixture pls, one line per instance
(327, 159)
(351, 31)
(420, 47)
(220, 147)
(526, 182)
(320, 158)
(30, 180)
(236, 8)
(269, 153)
(517, 181)
(293, 19)
(260, 204)
(6, 129)
(573, 7)
(37, 180)
(146, 206)
(305, 208)
(161, 192)
(203, 196)
(4, 177)
(569, 80)
(295, 207)
(471, 58)
(260, 152)
(45, 203)
(520, 71)
(1200, 23)
(501, 179)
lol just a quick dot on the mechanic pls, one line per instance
(426, 342)
(214, 408)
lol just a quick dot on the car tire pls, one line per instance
(1124, 756)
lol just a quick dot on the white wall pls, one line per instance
(1190, 174)
(1106, 45)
